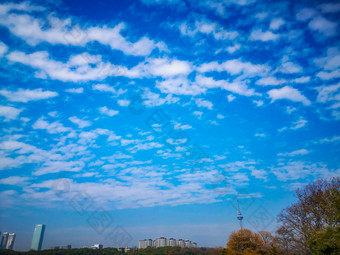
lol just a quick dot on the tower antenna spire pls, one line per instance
(239, 214)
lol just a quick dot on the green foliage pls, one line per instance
(325, 242)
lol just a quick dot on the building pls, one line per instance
(145, 243)
(4, 239)
(97, 246)
(163, 242)
(10, 241)
(38, 237)
(171, 242)
(180, 242)
(160, 242)
(187, 243)
(66, 246)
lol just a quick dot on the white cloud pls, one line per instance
(302, 170)
(103, 88)
(305, 14)
(163, 67)
(182, 127)
(9, 112)
(123, 102)
(26, 95)
(304, 79)
(330, 140)
(198, 114)
(204, 103)
(264, 36)
(112, 37)
(328, 93)
(330, 7)
(276, 23)
(234, 66)
(52, 128)
(179, 86)
(323, 26)
(15, 180)
(206, 27)
(3, 49)
(258, 102)
(299, 124)
(260, 135)
(329, 75)
(235, 87)
(232, 49)
(288, 93)
(290, 109)
(106, 111)
(75, 90)
(82, 67)
(79, 122)
(152, 99)
(331, 61)
(220, 116)
(289, 67)
(61, 31)
(295, 153)
(230, 98)
(270, 81)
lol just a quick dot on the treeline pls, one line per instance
(114, 251)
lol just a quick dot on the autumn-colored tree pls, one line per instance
(317, 208)
(244, 239)
(246, 242)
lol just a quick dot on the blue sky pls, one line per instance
(145, 118)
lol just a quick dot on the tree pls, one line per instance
(244, 239)
(325, 242)
(317, 208)
(247, 242)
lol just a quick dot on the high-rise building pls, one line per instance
(187, 243)
(10, 241)
(4, 239)
(66, 246)
(160, 242)
(194, 244)
(171, 242)
(148, 243)
(38, 237)
(145, 243)
(180, 242)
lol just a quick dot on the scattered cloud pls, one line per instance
(288, 93)
(79, 122)
(9, 112)
(294, 153)
(106, 111)
(26, 95)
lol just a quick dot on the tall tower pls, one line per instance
(239, 214)
(4, 239)
(38, 236)
(10, 241)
